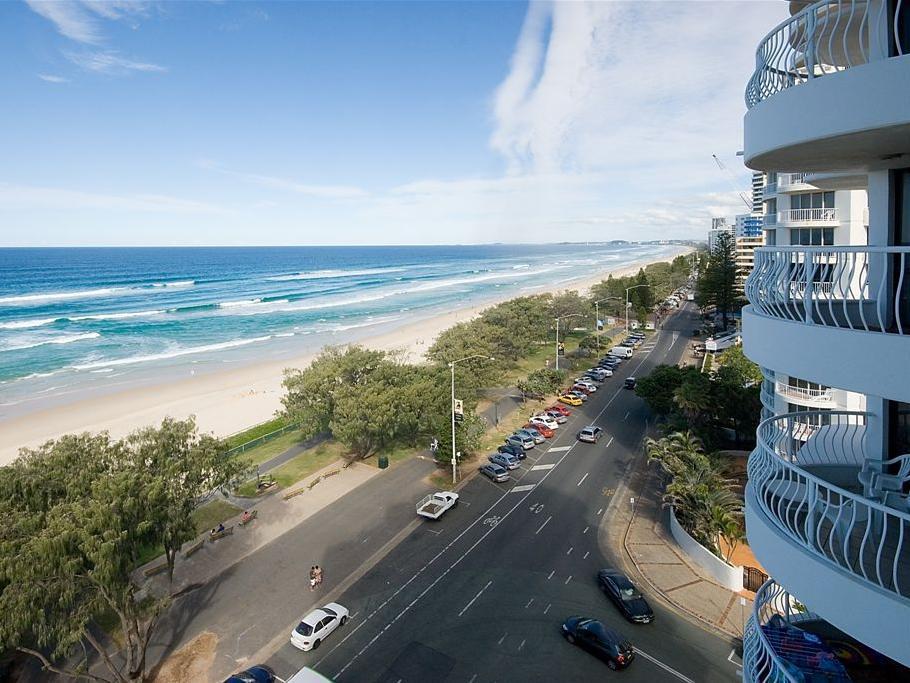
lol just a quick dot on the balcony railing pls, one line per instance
(769, 189)
(787, 180)
(856, 287)
(825, 395)
(826, 37)
(761, 662)
(791, 483)
(809, 216)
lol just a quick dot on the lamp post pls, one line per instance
(561, 317)
(629, 289)
(452, 409)
(597, 317)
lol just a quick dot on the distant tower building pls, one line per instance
(758, 195)
(718, 225)
(748, 236)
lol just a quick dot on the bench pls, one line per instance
(193, 548)
(157, 569)
(249, 518)
(227, 531)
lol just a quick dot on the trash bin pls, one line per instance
(383, 461)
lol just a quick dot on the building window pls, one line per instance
(812, 237)
(798, 383)
(812, 200)
(819, 417)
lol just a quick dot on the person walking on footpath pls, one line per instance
(313, 577)
(318, 575)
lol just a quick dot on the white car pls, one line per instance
(586, 383)
(544, 420)
(316, 625)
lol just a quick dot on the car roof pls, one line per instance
(598, 628)
(316, 616)
(618, 577)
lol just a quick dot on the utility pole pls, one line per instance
(452, 410)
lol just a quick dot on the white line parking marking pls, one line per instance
(663, 666)
(582, 479)
(557, 449)
(543, 525)
(542, 467)
(479, 593)
(548, 607)
(523, 487)
(434, 532)
(609, 442)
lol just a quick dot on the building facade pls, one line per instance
(748, 236)
(718, 226)
(828, 498)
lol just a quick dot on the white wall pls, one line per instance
(727, 575)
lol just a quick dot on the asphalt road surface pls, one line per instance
(480, 595)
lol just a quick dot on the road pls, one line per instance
(480, 595)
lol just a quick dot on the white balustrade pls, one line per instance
(838, 524)
(808, 216)
(823, 38)
(761, 663)
(788, 180)
(825, 395)
(853, 287)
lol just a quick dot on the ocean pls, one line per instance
(73, 320)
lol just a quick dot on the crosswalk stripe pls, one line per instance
(556, 449)
(523, 487)
(543, 467)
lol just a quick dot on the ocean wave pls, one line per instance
(60, 296)
(176, 353)
(23, 324)
(326, 274)
(354, 326)
(54, 340)
(176, 283)
(117, 316)
(236, 304)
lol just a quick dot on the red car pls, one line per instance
(545, 431)
(559, 408)
(580, 387)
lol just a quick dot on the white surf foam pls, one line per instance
(24, 324)
(53, 340)
(176, 353)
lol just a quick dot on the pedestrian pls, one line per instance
(318, 575)
(313, 577)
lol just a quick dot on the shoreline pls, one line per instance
(226, 402)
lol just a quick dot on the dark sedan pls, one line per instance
(255, 674)
(513, 449)
(602, 642)
(625, 596)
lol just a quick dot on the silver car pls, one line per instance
(495, 472)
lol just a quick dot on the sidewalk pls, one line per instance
(647, 544)
(275, 517)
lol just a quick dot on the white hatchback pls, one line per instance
(316, 625)
(544, 420)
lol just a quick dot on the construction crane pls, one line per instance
(742, 195)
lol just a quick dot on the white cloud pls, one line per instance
(110, 63)
(50, 78)
(79, 20)
(288, 185)
(30, 197)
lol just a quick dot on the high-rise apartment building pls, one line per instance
(748, 236)
(718, 226)
(828, 498)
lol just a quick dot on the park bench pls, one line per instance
(193, 547)
(156, 569)
(249, 518)
(227, 531)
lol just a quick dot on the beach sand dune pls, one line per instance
(228, 401)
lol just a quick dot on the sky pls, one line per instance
(246, 123)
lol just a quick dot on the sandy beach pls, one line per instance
(228, 401)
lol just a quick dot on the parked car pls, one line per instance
(629, 383)
(495, 472)
(543, 430)
(590, 434)
(434, 505)
(545, 420)
(532, 433)
(255, 674)
(583, 388)
(524, 442)
(513, 449)
(602, 642)
(586, 383)
(559, 417)
(625, 596)
(600, 373)
(318, 624)
(583, 395)
(504, 460)
(570, 399)
(560, 409)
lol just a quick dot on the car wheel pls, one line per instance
(611, 664)
(315, 644)
(455, 504)
(343, 621)
(570, 638)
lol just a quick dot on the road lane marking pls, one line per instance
(523, 487)
(570, 549)
(434, 532)
(600, 511)
(479, 593)
(543, 525)
(473, 678)
(581, 481)
(548, 607)
(668, 669)
(730, 659)
(626, 416)
(609, 442)
(586, 530)
(586, 555)
(557, 449)
(529, 603)
(365, 540)
(503, 637)
(551, 575)
(542, 467)
(567, 580)
(522, 645)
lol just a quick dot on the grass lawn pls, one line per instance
(300, 466)
(211, 514)
(394, 455)
(256, 431)
(268, 450)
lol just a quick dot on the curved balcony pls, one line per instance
(820, 398)
(817, 531)
(761, 661)
(826, 37)
(821, 217)
(792, 182)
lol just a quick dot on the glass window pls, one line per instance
(816, 238)
(816, 198)
(828, 200)
(828, 236)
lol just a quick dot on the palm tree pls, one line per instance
(675, 452)
(693, 399)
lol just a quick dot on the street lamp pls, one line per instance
(452, 410)
(629, 289)
(562, 317)
(597, 317)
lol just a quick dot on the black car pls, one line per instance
(602, 642)
(625, 596)
(513, 449)
(255, 674)
(629, 383)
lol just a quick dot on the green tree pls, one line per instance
(658, 388)
(717, 280)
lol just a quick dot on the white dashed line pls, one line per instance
(609, 442)
(582, 480)
(569, 551)
(586, 555)
(529, 603)
(663, 666)
(586, 530)
(625, 417)
(567, 580)
(551, 575)
(479, 593)
(543, 525)
(548, 608)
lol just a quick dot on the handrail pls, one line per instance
(845, 529)
(761, 663)
(790, 179)
(825, 37)
(816, 215)
(848, 287)
(785, 389)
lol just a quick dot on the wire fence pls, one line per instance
(259, 440)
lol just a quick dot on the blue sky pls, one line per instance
(364, 123)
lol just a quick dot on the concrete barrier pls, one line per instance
(727, 575)
(193, 548)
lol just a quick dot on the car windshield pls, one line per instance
(330, 612)
(304, 629)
